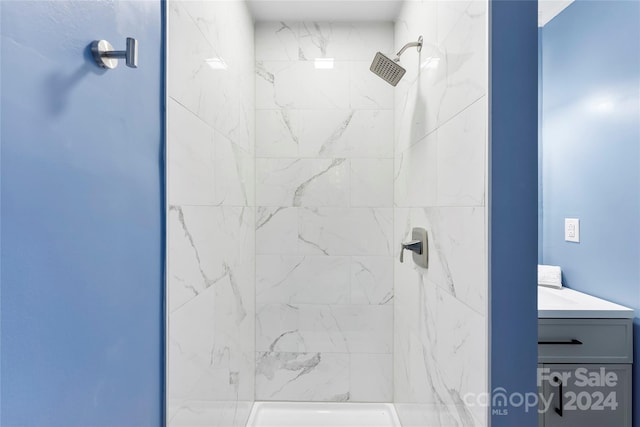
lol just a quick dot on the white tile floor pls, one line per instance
(322, 414)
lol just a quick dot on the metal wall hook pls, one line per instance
(107, 57)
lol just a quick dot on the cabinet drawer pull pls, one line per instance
(570, 342)
(559, 410)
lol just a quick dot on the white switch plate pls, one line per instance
(572, 230)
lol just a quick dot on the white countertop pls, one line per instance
(567, 303)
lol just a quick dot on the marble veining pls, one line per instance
(336, 135)
(332, 328)
(324, 218)
(279, 134)
(211, 215)
(302, 182)
(302, 376)
(302, 279)
(299, 209)
(312, 32)
(440, 170)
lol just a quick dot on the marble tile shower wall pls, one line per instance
(324, 220)
(211, 214)
(440, 329)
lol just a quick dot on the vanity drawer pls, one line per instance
(585, 341)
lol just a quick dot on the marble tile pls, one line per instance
(325, 328)
(458, 236)
(347, 133)
(417, 18)
(277, 41)
(371, 280)
(302, 182)
(371, 182)
(344, 231)
(302, 376)
(214, 363)
(210, 249)
(190, 371)
(302, 280)
(419, 94)
(277, 84)
(345, 41)
(465, 56)
(416, 373)
(421, 376)
(214, 244)
(419, 106)
(371, 134)
(367, 90)
(461, 158)
(365, 386)
(416, 174)
(462, 352)
(192, 265)
(202, 413)
(415, 302)
(234, 173)
(276, 230)
(226, 25)
(352, 328)
(457, 254)
(439, 184)
(187, 68)
(321, 88)
(448, 14)
(278, 328)
(431, 325)
(234, 333)
(288, 84)
(323, 133)
(324, 188)
(408, 115)
(278, 133)
(221, 97)
(190, 169)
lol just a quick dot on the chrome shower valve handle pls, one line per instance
(107, 57)
(413, 246)
(419, 245)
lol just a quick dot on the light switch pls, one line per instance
(572, 230)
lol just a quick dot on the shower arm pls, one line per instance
(417, 44)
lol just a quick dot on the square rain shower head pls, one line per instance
(387, 69)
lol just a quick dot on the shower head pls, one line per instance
(389, 69)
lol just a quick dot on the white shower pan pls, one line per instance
(322, 414)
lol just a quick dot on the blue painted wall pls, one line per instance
(513, 200)
(82, 223)
(591, 145)
(590, 164)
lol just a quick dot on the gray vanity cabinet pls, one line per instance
(584, 372)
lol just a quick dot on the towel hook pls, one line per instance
(107, 57)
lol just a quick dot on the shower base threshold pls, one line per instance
(322, 414)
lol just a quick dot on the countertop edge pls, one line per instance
(586, 314)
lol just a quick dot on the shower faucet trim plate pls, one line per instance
(419, 245)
